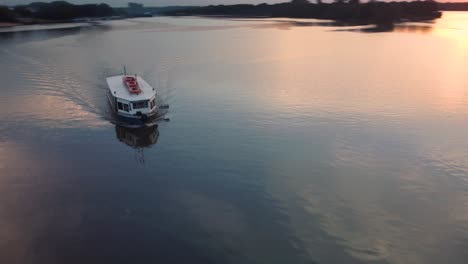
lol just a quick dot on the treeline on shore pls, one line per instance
(349, 11)
(453, 6)
(58, 10)
(352, 11)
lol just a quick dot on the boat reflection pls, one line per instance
(138, 137)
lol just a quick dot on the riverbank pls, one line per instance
(352, 12)
(54, 12)
(8, 24)
(33, 24)
(383, 14)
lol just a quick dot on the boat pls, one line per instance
(133, 99)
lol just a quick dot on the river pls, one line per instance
(290, 141)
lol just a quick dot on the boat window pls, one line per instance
(140, 104)
(125, 107)
(152, 103)
(120, 106)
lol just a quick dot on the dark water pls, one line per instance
(288, 143)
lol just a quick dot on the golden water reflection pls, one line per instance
(381, 80)
(417, 81)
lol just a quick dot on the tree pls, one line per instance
(300, 2)
(6, 15)
(135, 5)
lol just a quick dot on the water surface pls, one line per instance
(289, 142)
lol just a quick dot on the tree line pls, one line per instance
(58, 10)
(348, 11)
(351, 11)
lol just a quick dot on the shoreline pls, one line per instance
(58, 23)
(41, 27)
(89, 21)
(9, 25)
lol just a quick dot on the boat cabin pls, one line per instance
(133, 107)
(131, 96)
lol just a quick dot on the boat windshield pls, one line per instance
(140, 104)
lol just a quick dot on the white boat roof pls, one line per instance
(119, 90)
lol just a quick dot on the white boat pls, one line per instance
(133, 98)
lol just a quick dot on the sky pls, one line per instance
(149, 2)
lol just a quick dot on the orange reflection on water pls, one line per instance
(15, 161)
(414, 28)
(55, 110)
(454, 26)
(371, 73)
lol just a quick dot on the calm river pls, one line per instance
(289, 142)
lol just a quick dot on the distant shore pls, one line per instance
(8, 24)
(350, 12)
(341, 11)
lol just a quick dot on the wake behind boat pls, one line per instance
(133, 99)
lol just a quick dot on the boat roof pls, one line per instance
(119, 90)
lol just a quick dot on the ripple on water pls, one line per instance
(48, 94)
